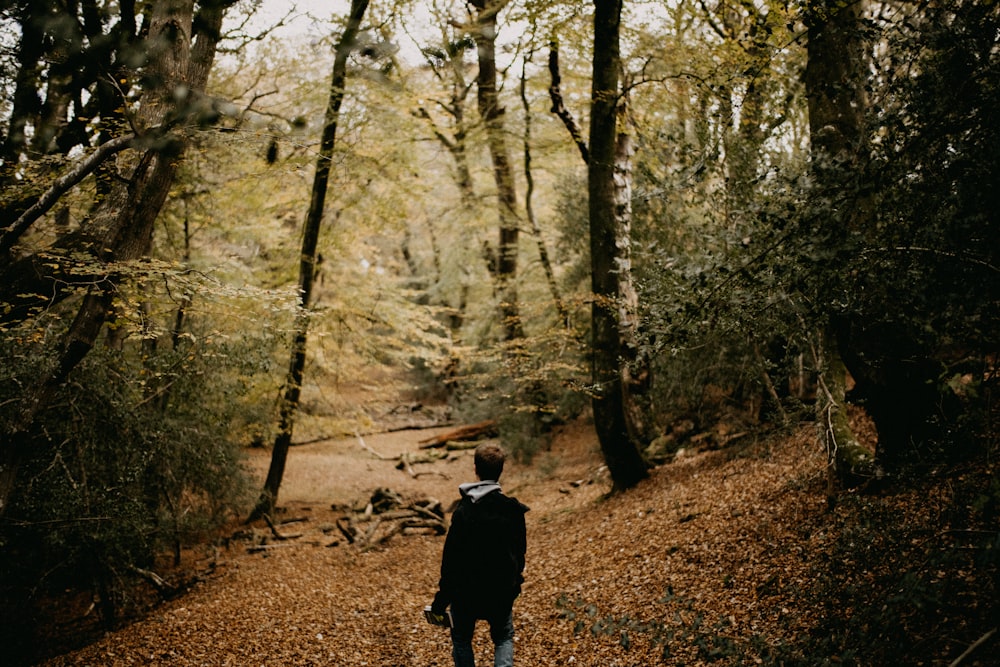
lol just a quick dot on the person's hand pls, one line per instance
(440, 604)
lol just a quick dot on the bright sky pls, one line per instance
(302, 18)
(305, 16)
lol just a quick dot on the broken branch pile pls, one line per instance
(388, 515)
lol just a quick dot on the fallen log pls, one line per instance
(277, 534)
(294, 519)
(460, 445)
(484, 429)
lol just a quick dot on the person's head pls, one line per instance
(489, 461)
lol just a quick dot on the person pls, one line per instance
(482, 564)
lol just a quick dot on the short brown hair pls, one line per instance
(489, 460)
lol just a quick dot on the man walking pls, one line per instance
(483, 562)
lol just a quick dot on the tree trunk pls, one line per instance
(536, 231)
(849, 462)
(744, 141)
(451, 73)
(184, 49)
(835, 79)
(634, 364)
(307, 265)
(620, 449)
(505, 273)
(25, 102)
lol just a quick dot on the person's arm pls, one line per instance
(520, 542)
(450, 561)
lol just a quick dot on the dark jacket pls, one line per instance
(483, 560)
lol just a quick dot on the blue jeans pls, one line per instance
(501, 632)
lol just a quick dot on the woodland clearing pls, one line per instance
(713, 559)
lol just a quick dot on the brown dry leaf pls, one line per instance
(712, 546)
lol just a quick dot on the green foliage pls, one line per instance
(676, 624)
(137, 457)
(935, 161)
(528, 390)
(733, 298)
(723, 306)
(921, 288)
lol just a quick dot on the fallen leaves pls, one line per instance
(708, 559)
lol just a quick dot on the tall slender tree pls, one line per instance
(529, 190)
(447, 63)
(307, 264)
(484, 32)
(446, 60)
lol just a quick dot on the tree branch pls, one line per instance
(421, 112)
(59, 187)
(976, 644)
(711, 22)
(559, 106)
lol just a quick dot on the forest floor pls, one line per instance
(719, 557)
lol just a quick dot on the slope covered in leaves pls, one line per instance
(726, 557)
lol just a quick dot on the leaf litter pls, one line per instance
(711, 560)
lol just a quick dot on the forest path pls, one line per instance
(705, 536)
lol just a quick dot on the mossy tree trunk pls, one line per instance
(835, 80)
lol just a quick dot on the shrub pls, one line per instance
(136, 458)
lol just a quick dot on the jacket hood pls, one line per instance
(476, 491)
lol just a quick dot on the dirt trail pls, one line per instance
(705, 527)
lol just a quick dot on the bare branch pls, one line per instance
(59, 187)
(559, 107)
(276, 533)
(421, 112)
(364, 446)
(979, 642)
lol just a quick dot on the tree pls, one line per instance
(529, 180)
(618, 442)
(308, 262)
(635, 364)
(835, 87)
(484, 32)
(446, 60)
(752, 35)
(921, 328)
(172, 60)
